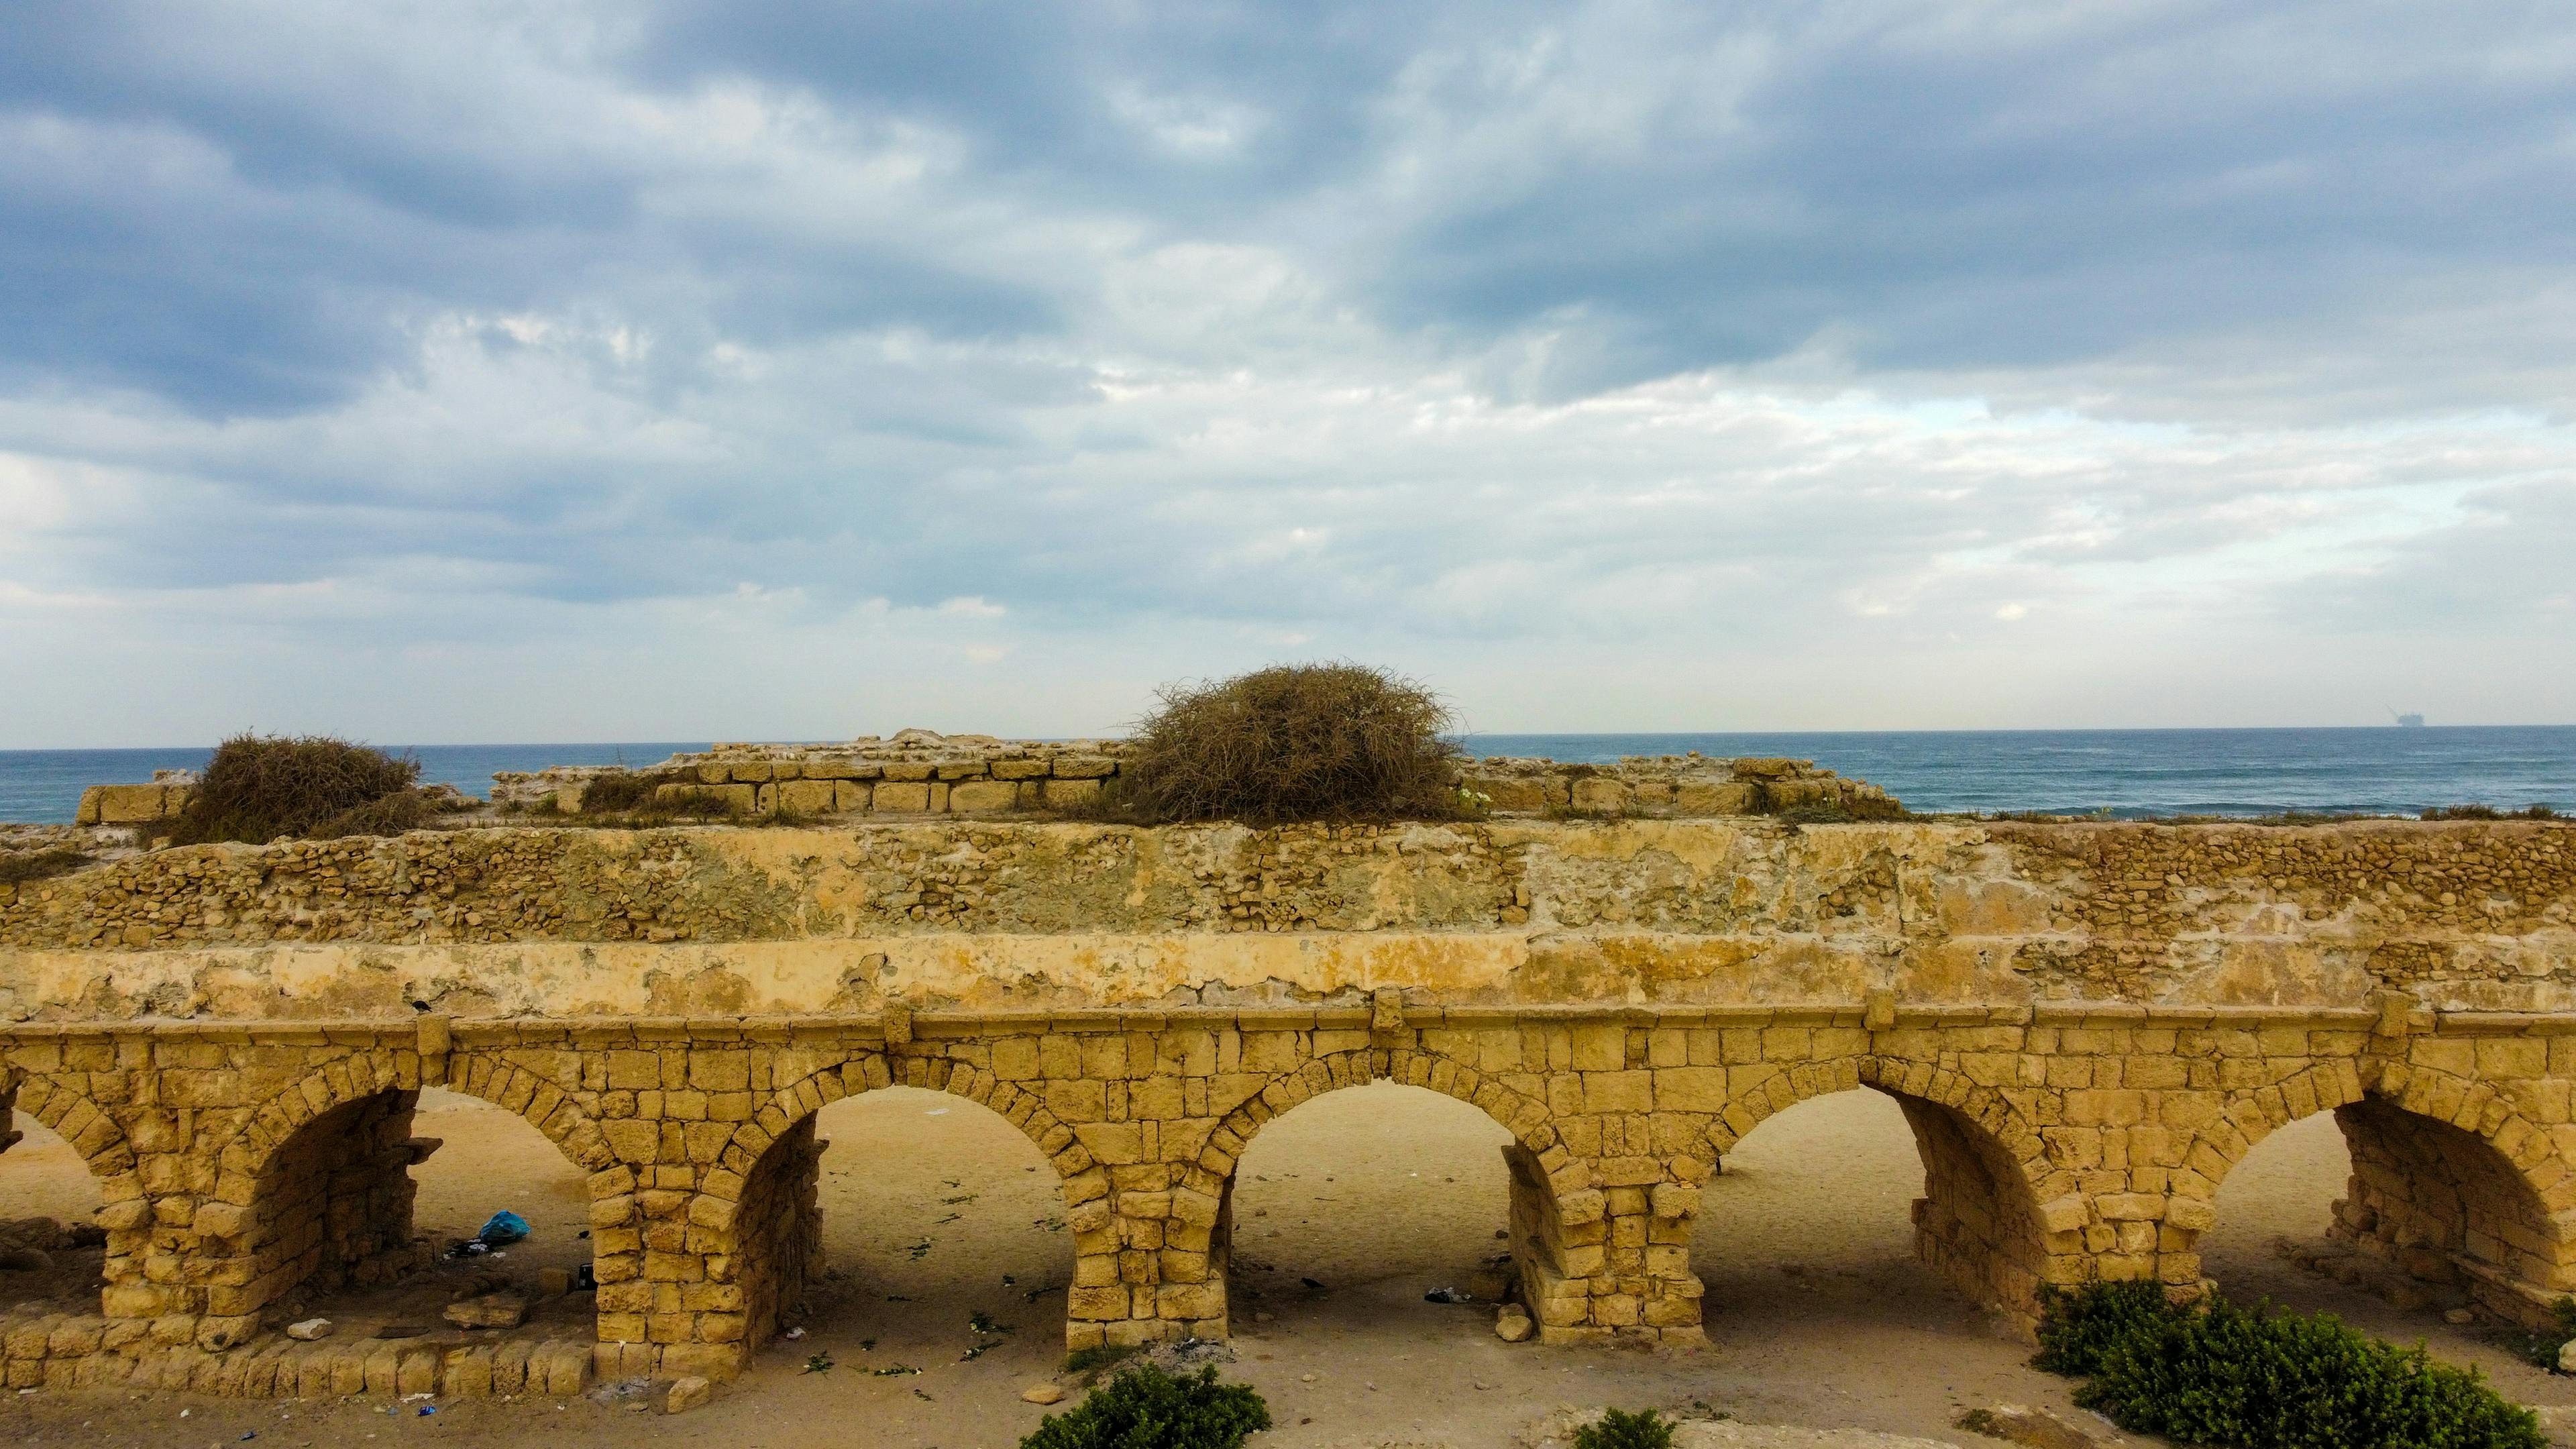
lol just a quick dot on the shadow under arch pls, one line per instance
(761, 1212)
(1978, 1221)
(2451, 1187)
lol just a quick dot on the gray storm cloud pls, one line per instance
(482, 372)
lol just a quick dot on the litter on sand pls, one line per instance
(1448, 1295)
(502, 1229)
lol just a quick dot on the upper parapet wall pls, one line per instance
(971, 774)
(1056, 915)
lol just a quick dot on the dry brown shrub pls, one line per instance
(20, 867)
(1294, 742)
(260, 788)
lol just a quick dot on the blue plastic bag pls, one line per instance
(505, 1227)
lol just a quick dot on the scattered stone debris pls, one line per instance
(1043, 1394)
(686, 1392)
(2022, 1424)
(311, 1329)
(1512, 1324)
(1557, 1430)
(492, 1310)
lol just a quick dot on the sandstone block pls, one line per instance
(1701, 797)
(687, 1392)
(809, 797)
(492, 1310)
(1061, 793)
(129, 804)
(901, 797)
(983, 795)
(1601, 795)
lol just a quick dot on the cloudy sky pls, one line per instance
(566, 369)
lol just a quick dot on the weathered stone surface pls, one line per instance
(492, 1310)
(685, 1393)
(1043, 1394)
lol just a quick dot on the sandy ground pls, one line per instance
(936, 1211)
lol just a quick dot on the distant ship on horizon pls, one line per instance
(2406, 721)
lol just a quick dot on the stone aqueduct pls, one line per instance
(2087, 1026)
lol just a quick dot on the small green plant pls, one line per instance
(1146, 1408)
(32, 865)
(1619, 1429)
(820, 1363)
(2542, 1348)
(2209, 1372)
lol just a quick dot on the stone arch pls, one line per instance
(758, 1205)
(1199, 1199)
(1979, 1222)
(71, 1114)
(314, 1184)
(1795, 1083)
(2452, 1184)
(867, 1071)
(358, 1075)
(1557, 1210)
(1525, 1118)
(64, 1106)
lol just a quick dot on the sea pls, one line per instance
(2121, 774)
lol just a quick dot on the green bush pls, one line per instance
(261, 788)
(1295, 742)
(2541, 1349)
(2076, 1329)
(1619, 1429)
(2215, 1374)
(1146, 1408)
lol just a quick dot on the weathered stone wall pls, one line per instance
(918, 772)
(2087, 1026)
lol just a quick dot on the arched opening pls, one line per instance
(52, 1251)
(2414, 1211)
(373, 1214)
(490, 1159)
(906, 1229)
(1866, 1207)
(2274, 1213)
(1344, 1211)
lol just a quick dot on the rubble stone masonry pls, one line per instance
(2087, 1026)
